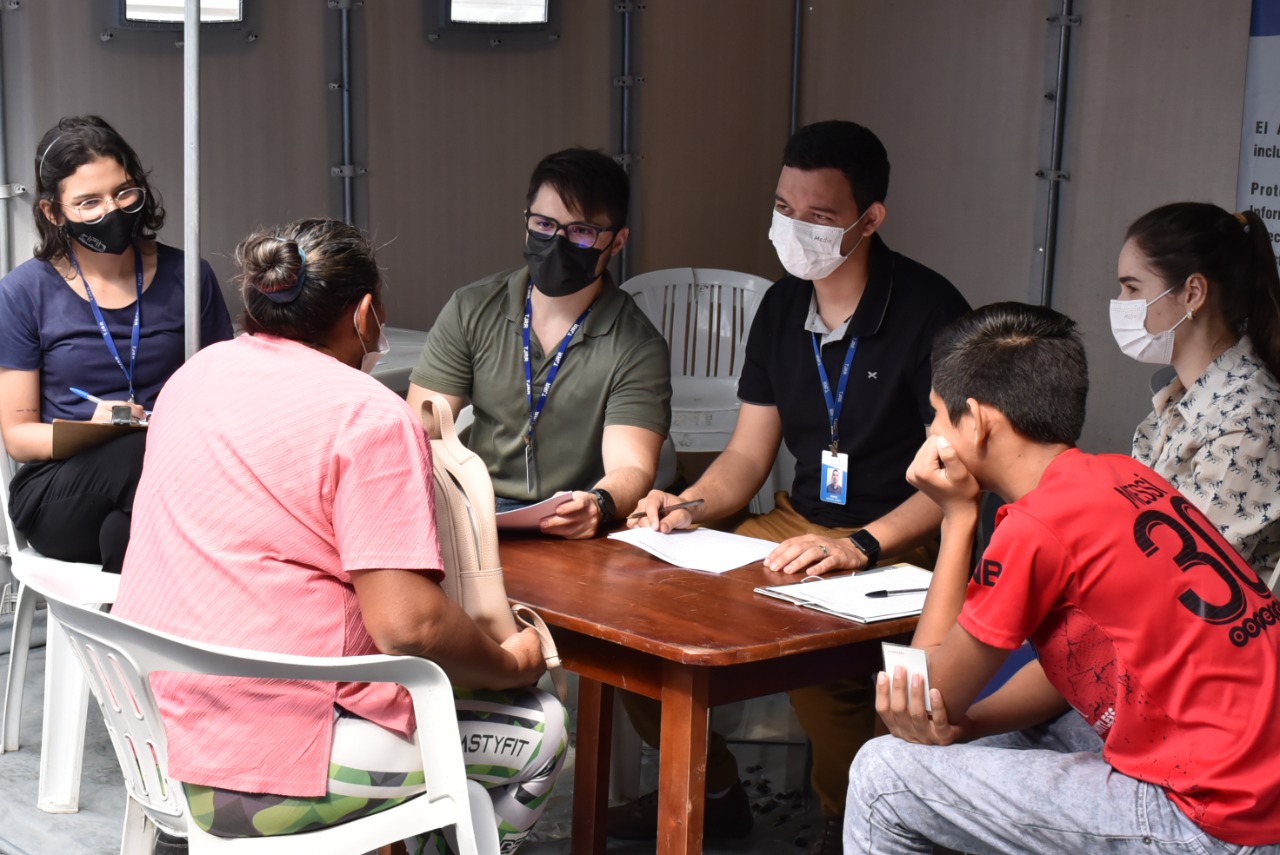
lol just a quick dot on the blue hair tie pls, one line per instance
(291, 293)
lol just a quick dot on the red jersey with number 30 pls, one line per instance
(1152, 627)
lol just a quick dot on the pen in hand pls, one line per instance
(882, 594)
(83, 394)
(666, 509)
(96, 400)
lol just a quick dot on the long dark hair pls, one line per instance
(69, 145)
(1232, 252)
(297, 280)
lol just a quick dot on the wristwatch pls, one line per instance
(867, 545)
(607, 508)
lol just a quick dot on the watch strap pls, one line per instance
(867, 544)
(608, 509)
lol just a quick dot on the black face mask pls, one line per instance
(113, 234)
(558, 268)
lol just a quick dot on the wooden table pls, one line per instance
(692, 640)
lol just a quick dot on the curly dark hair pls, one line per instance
(69, 145)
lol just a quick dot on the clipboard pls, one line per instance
(70, 438)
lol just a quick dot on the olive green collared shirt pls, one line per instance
(616, 371)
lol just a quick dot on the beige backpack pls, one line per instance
(468, 534)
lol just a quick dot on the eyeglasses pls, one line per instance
(578, 234)
(129, 200)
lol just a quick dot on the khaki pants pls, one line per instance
(838, 716)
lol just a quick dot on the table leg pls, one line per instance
(591, 772)
(682, 760)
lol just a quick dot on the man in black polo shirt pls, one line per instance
(854, 415)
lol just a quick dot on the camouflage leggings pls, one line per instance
(513, 743)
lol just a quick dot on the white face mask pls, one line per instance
(1129, 327)
(810, 251)
(371, 357)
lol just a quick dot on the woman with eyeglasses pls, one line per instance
(94, 322)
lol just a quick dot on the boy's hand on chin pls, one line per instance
(938, 473)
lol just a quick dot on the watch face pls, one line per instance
(865, 541)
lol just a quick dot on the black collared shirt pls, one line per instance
(886, 405)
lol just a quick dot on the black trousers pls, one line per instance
(79, 509)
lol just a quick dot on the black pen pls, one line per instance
(882, 594)
(666, 509)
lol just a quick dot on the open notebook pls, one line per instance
(848, 596)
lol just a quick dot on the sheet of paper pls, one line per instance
(912, 660)
(846, 596)
(528, 517)
(700, 548)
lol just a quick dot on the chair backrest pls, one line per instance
(119, 656)
(8, 467)
(703, 313)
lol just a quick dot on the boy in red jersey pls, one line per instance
(1148, 722)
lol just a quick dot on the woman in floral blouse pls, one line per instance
(1199, 290)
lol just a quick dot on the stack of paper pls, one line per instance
(699, 548)
(530, 516)
(899, 592)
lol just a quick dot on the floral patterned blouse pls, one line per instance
(1219, 444)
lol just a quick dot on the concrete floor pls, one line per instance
(786, 822)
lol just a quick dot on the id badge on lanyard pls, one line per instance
(834, 485)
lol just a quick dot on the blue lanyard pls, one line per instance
(535, 409)
(833, 406)
(102, 323)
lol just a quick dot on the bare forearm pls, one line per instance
(907, 526)
(950, 580)
(728, 484)
(1025, 700)
(407, 614)
(29, 441)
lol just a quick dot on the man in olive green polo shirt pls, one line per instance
(570, 382)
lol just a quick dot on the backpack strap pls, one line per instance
(467, 529)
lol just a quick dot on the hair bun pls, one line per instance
(274, 266)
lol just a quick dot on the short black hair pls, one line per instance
(848, 147)
(1026, 361)
(585, 179)
(69, 145)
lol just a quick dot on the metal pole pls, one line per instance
(6, 212)
(624, 257)
(1055, 175)
(795, 68)
(346, 114)
(191, 170)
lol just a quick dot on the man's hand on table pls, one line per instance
(815, 555)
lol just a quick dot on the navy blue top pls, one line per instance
(46, 326)
(886, 406)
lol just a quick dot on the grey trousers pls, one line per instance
(1043, 790)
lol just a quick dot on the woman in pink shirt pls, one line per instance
(302, 520)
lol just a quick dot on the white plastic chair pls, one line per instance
(66, 696)
(705, 315)
(119, 656)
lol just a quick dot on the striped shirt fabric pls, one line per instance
(273, 472)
